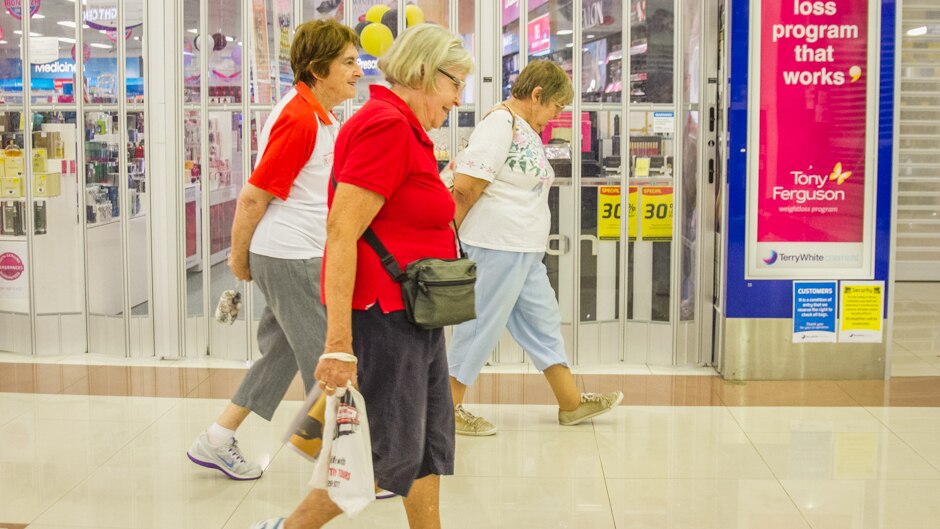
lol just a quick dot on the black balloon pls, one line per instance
(360, 26)
(390, 19)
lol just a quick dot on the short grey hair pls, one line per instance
(420, 50)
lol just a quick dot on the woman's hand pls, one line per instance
(332, 374)
(239, 267)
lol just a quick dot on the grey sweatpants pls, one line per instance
(291, 333)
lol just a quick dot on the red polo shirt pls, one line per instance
(384, 149)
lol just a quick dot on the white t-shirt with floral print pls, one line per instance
(512, 213)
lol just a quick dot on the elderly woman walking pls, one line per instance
(387, 179)
(501, 189)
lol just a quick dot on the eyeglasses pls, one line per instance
(457, 82)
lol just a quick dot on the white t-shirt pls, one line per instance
(512, 213)
(295, 160)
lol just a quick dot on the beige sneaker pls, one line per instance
(592, 405)
(469, 424)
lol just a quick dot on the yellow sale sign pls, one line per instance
(608, 213)
(656, 204)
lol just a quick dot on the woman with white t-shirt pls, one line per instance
(279, 235)
(501, 187)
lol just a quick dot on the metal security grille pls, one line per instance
(918, 215)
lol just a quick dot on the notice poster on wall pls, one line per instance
(811, 156)
(14, 281)
(608, 213)
(861, 306)
(656, 206)
(814, 311)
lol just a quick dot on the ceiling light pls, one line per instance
(3, 42)
(193, 31)
(67, 39)
(102, 46)
(564, 32)
(569, 45)
(230, 39)
(66, 23)
(31, 33)
(917, 32)
(589, 36)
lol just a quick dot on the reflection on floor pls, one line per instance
(88, 444)
(916, 350)
(688, 452)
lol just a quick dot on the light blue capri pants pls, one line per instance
(512, 290)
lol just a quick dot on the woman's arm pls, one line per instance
(351, 213)
(252, 203)
(467, 190)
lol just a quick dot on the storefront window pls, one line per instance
(651, 51)
(51, 50)
(315, 9)
(224, 45)
(509, 43)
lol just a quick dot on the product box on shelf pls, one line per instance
(11, 187)
(11, 218)
(47, 184)
(13, 165)
(50, 141)
(40, 157)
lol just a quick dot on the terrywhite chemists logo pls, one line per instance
(820, 189)
(792, 258)
(806, 258)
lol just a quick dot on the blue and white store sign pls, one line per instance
(814, 311)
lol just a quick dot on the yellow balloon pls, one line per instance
(374, 14)
(413, 15)
(376, 39)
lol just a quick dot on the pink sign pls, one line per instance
(540, 34)
(813, 82)
(11, 266)
(15, 8)
(511, 9)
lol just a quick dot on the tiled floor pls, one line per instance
(85, 461)
(86, 442)
(916, 330)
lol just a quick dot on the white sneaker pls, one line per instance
(272, 523)
(227, 458)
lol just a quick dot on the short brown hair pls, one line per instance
(316, 44)
(556, 86)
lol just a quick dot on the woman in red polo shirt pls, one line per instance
(388, 179)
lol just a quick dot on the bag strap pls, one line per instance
(389, 263)
(507, 109)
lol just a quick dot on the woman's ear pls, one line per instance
(537, 95)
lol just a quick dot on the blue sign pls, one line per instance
(814, 311)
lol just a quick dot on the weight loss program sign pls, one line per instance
(810, 177)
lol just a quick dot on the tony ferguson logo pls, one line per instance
(11, 266)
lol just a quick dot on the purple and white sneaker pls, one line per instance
(227, 458)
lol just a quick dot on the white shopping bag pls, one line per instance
(344, 467)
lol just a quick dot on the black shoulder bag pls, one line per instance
(436, 292)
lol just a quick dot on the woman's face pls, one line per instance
(343, 75)
(437, 105)
(543, 113)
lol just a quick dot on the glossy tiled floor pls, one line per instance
(72, 461)
(88, 444)
(916, 350)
